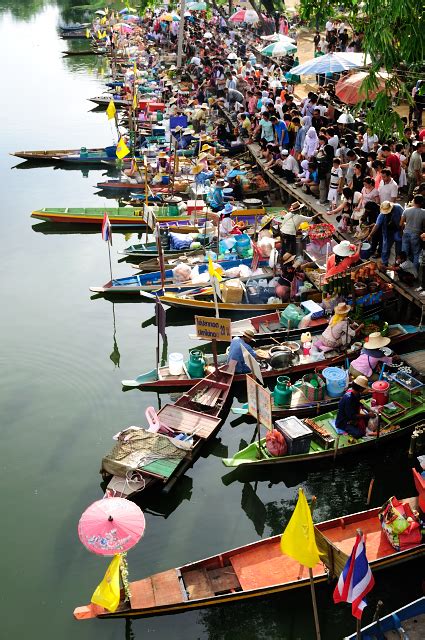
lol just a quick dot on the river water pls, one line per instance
(62, 358)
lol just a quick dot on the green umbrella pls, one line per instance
(276, 49)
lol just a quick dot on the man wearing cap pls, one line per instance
(370, 356)
(352, 417)
(236, 353)
(287, 166)
(389, 221)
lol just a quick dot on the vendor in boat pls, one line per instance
(352, 417)
(290, 225)
(217, 199)
(343, 257)
(370, 357)
(287, 275)
(201, 175)
(227, 227)
(163, 163)
(338, 333)
(235, 350)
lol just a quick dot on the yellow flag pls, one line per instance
(298, 539)
(107, 593)
(99, 35)
(122, 149)
(135, 69)
(135, 102)
(87, 33)
(111, 110)
(213, 271)
(103, 20)
(104, 34)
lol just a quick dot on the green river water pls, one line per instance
(62, 358)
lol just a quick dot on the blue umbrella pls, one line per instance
(331, 63)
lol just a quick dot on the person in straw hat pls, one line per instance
(338, 333)
(236, 350)
(290, 225)
(343, 256)
(352, 417)
(370, 357)
(201, 174)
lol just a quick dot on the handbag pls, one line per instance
(400, 524)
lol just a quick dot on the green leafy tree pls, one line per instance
(394, 38)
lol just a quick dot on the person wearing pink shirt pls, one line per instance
(370, 357)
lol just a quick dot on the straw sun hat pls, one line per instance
(342, 309)
(376, 341)
(361, 381)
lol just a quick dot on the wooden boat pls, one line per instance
(74, 27)
(407, 622)
(192, 421)
(161, 380)
(256, 570)
(54, 155)
(204, 300)
(74, 35)
(152, 281)
(122, 185)
(103, 101)
(83, 52)
(326, 443)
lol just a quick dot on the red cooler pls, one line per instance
(381, 392)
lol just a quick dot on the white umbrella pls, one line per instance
(345, 118)
(278, 37)
(331, 63)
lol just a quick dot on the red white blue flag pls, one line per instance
(356, 579)
(106, 229)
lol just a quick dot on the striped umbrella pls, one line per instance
(245, 15)
(277, 49)
(331, 63)
(349, 89)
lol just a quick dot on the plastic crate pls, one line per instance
(297, 435)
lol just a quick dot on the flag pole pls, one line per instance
(109, 254)
(314, 602)
(359, 629)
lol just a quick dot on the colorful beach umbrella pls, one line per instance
(276, 37)
(111, 526)
(245, 15)
(349, 88)
(166, 17)
(278, 49)
(331, 63)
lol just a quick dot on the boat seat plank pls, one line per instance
(166, 587)
(197, 584)
(188, 421)
(142, 594)
(377, 545)
(263, 565)
(164, 467)
(223, 579)
(218, 385)
(164, 374)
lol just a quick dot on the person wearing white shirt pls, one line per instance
(369, 140)
(329, 26)
(290, 225)
(388, 188)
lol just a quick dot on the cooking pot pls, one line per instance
(281, 359)
(293, 346)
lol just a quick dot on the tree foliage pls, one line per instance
(394, 38)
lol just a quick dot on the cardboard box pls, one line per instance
(232, 291)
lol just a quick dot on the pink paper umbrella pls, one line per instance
(111, 526)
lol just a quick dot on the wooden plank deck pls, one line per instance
(160, 589)
(188, 421)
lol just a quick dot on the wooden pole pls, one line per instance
(313, 600)
(358, 629)
(260, 455)
(181, 34)
(110, 263)
(214, 350)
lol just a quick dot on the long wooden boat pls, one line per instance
(204, 300)
(152, 281)
(161, 379)
(54, 155)
(83, 52)
(194, 419)
(327, 444)
(407, 622)
(74, 35)
(103, 101)
(122, 185)
(256, 570)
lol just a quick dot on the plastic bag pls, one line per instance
(245, 271)
(400, 525)
(274, 258)
(276, 443)
(182, 272)
(266, 245)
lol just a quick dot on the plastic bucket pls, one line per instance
(175, 364)
(365, 251)
(336, 381)
(381, 392)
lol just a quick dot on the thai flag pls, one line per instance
(106, 229)
(356, 579)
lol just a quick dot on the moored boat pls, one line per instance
(153, 281)
(161, 379)
(323, 441)
(55, 155)
(407, 622)
(103, 101)
(258, 569)
(161, 457)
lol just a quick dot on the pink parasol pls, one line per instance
(111, 526)
(349, 88)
